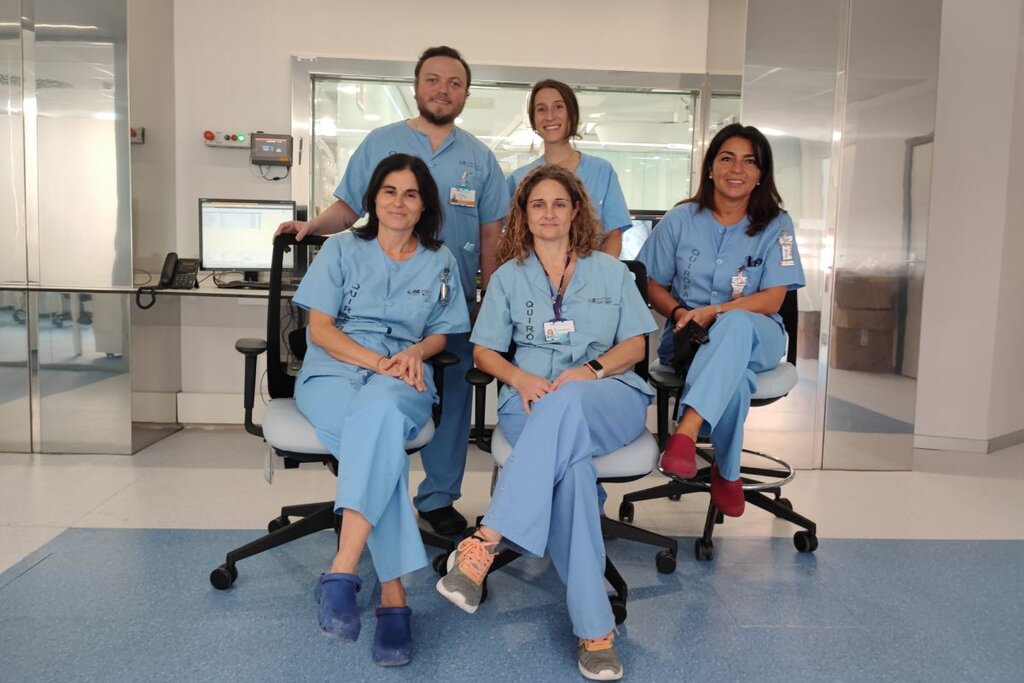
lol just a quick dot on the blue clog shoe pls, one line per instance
(335, 595)
(392, 641)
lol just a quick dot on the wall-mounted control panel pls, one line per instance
(222, 138)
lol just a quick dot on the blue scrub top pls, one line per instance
(382, 304)
(601, 299)
(696, 257)
(461, 161)
(601, 183)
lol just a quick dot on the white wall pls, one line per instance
(232, 71)
(971, 369)
(1006, 416)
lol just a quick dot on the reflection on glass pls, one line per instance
(81, 93)
(84, 384)
(882, 220)
(12, 189)
(789, 93)
(647, 137)
(15, 432)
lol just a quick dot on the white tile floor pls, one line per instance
(213, 479)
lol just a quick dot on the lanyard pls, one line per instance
(556, 299)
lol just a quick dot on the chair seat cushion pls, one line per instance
(286, 429)
(632, 460)
(773, 383)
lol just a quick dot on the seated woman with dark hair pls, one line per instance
(381, 300)
(723, 259)
(570, 394)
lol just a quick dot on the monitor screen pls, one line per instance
(633, 238)
(237, 234)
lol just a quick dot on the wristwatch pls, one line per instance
(596, 367)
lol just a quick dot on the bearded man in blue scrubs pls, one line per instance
(475, 200)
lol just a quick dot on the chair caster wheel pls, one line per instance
(626, 513)
(784, 502)
(703, 551)
(618, 609)
(665, 561)
(223, 576)
(805, 541)
(440, 564)
(676, 497)
(277, 523)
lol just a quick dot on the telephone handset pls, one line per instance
(178, 273)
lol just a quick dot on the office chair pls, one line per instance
(758, 482)
(629, 463)
(287, 432)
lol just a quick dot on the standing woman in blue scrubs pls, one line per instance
(554, 115)
(570, 394)
(724, 258)
(381, 301)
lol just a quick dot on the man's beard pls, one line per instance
(435, 119)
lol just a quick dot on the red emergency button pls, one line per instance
(208, 134)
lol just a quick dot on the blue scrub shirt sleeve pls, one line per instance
(357, 178)
(323, 285)
(493, 327)
(511, 184)
(452, 316)
(614, 212)
(659, 251)
(634, 316)
(779, 271)
(493, 202)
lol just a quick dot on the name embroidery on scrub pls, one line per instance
(786, 245)
(685, 277)
(529, 321)
(353, 292)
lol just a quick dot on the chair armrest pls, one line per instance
(250, 345)
(666, 385)
(250, 348)
(439, 362)
(479, 380)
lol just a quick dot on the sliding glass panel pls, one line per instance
(84, 384)
(82, 150)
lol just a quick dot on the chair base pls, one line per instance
(314, 517)
(765, 495)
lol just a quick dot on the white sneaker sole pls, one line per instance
(603, 676)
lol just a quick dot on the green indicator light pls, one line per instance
(241, 138)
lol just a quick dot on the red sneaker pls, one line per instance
(726, 495)
(680, 457)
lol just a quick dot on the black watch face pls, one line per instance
(594, 364)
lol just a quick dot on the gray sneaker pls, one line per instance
(597, 659)
(467, 568)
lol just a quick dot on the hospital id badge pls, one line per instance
(558, 330)
(462, 196)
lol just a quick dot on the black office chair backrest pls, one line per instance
(281, 384)
(790, 321)
(639, 271)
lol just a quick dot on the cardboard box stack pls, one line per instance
(864, 323)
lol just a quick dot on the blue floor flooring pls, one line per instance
(136, 605)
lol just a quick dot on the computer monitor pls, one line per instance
(238, 234)
(633, 238)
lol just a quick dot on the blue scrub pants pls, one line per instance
(721, 379)
(444, 458)
(546, 496)
(365, 428)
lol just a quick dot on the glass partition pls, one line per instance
(12, 189)
(889, 118)
(646, 136)
(81, 145)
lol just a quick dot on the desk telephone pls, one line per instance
(178, 273)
